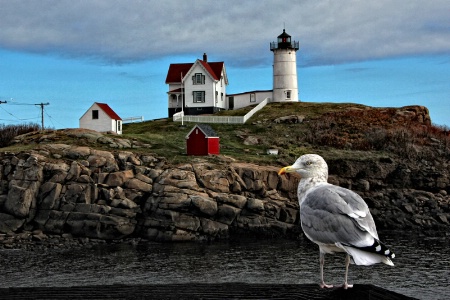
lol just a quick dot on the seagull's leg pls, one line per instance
(347, 263)
(322, 263)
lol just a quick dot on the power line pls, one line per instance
(53, 120)
(20, 119)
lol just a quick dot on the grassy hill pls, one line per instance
(330, 129)
(333, 130)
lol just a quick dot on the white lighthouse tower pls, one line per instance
(285, 86)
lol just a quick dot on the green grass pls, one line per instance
(333, 130)
(167, 138)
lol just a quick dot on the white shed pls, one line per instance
(100, 117)
(236, 101)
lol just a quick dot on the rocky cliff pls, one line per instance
(60, 191)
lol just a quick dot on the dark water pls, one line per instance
(422, 265)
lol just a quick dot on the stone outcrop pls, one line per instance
(78, 191)
(62, 189)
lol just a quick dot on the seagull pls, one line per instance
(335, 218)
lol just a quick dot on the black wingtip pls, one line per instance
(379, 248)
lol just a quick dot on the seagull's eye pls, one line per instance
(308, 163)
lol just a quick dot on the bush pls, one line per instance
(359, 130)
(9, 132)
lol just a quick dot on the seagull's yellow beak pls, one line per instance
(288, 169)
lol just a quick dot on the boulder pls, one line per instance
(137, 184)
(118, 178)
(205, 205)
(9, 223)
(21, 196)
(49, 195)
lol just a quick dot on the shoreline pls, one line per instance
(37, 240)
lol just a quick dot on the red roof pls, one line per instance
(175, 70)
(105, 107)
(214, 68)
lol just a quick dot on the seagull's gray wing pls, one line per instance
(331, 214)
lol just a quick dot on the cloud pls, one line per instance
(238, 32)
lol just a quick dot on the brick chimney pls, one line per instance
(205, 57)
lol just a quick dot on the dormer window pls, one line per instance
(198, 78)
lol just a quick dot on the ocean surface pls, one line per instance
(422, 265)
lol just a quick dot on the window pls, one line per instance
(119, 125)
(94, 114)
(217, 96)
(199, 96)
(288, 94)
(221, 96)
(198, 78)
(252, 98)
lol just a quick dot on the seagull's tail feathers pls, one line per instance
(377, 253)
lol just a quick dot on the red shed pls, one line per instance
(202, 140)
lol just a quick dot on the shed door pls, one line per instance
(197, 143)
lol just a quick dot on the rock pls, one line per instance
(20, 198)
(211, 178)
(137, 184)
(205, 205)
(118, 178)
(214, 228)
(74, 172)
(49, 195)
(143, 178)
(251, 140)
(77, 152)
(9, 223)
(97, 195)
(234, 200)
(175, 201)
(227, 214)
(186, 222)
(255, 205)
(292, 119)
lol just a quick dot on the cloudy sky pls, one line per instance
(384, 53)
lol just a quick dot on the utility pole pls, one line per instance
(42, 113)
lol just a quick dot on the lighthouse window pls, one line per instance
(198, 78)
(252, 98)
(199, 96)
(288, 94)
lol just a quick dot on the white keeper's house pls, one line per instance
(100, 117)
(200, 87)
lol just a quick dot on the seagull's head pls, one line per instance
(308, 166)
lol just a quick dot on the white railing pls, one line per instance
(133, 119)
(257, 108)
(178, 117)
